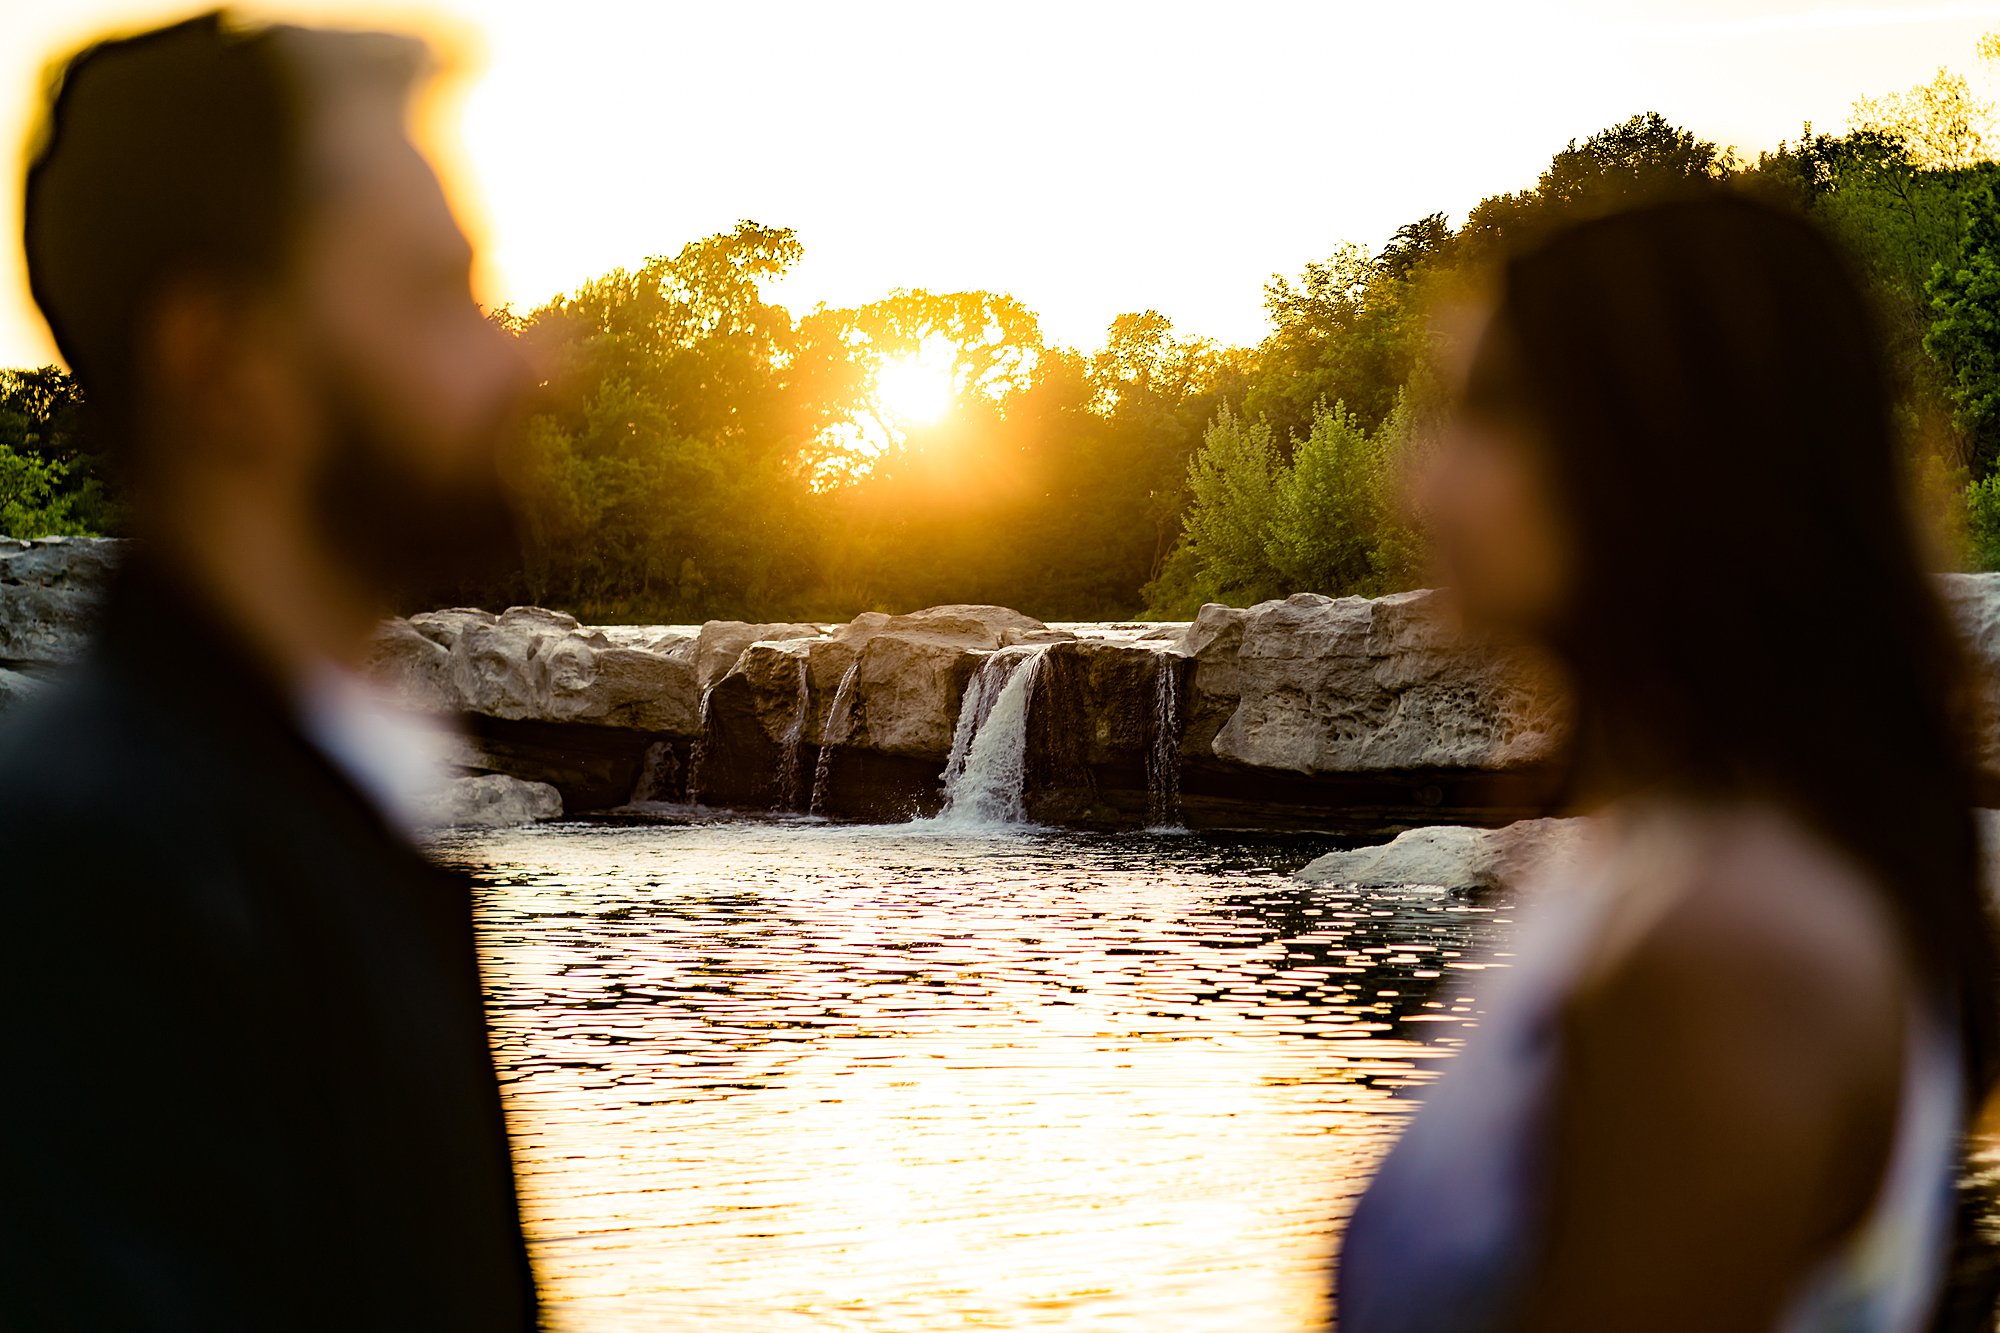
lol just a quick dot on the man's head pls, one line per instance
(257, 280)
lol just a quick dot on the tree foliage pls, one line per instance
(701, 450)
(50, 484)
(1964, 333)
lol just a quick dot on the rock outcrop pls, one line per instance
(1974, 601)
(1344, 714)
(49, 590)
(898, 681)
(1318, 684)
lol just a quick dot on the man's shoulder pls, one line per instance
(84, 750)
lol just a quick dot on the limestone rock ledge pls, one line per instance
(1352, 715)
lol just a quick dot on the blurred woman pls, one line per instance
(1725, 1085)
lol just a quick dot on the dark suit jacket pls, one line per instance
(244, 1074)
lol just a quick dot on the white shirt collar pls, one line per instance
(399, 759)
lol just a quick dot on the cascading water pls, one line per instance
(985, 779)
(792, 754)
(1163, 760)
(657, 770)
(836, 714)
(698, 757)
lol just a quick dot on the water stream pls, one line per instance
(986, 775)
(791, 749)
(705, 737)
(1163, 758)
(657, 771)
(837, 715)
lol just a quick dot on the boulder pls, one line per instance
(1358, 685)
(659, 638)
(756, 748)
(1454, 858)
(531, 664)
(770, 686)
(444, 627)
(719, 643)
(1476, 860)
(50, 588)
(490, 801)
(412, 667)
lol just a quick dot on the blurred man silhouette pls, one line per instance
(249, 1083)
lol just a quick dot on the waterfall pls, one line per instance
(698, 758)
(792, 757)
(836, 713)
(985, 779)
(656, 774)
(1163, 760)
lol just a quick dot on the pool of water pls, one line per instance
(767, 1075)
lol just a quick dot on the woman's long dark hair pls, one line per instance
(1751, 614)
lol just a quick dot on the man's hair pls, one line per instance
(178, 153)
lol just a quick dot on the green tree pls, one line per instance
(1623, 165)
(33, 500)
(53, 481)
(1326, 508)
(1964, 334)
(1233, 487)
(1982, 523)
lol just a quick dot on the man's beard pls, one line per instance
(399, 531)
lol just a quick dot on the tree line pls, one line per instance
(698, 450)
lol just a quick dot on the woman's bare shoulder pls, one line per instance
(1762, 954)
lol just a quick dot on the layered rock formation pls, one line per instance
(48, 591)
(1346, 714)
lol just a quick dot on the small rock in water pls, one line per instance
(1456, 859)
(491, 800)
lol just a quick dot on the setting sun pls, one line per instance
(916, 389)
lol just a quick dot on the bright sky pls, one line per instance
(1090, 157)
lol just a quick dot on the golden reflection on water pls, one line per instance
(767, 1075)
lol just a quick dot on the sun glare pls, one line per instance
(916, 389)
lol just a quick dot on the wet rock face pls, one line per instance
(49, 592)
(1094, 727)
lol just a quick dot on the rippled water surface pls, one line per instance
(772, 1075)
